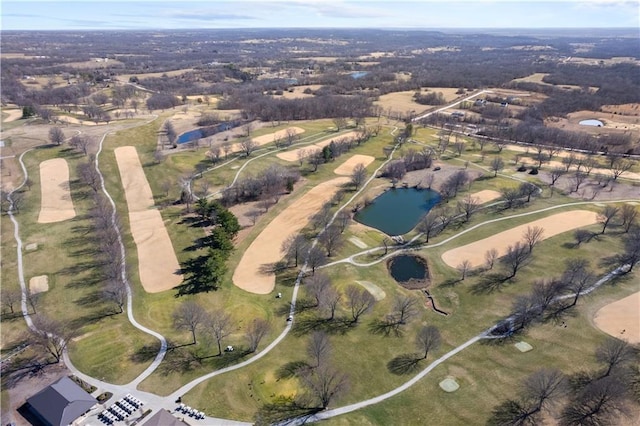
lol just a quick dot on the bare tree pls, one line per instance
(301, 154)
(172, 136)
(81, 143)
(189, 315)
(629, 215)
(544, 293)
(56, 136)
(331, 239)
(342, 220)
(89, 175)
(459, 147)
(515, 257)
(555, 174)
(469, 205)
(360, 301)
(599, 403)
(490, 257)
(620, 166)
(528, 190)
(404, 309)
(510, 197)
(358, 176)
(429, 225)
(248, 145)
(116, 292)
(330, 302)
(51, 335)
(497, 164)
(319, 348)
(578, 179)
(317, 286)
(10, 298)
(543, 388)
(315, 258)
(325, 383)
(255, 332)
(631, 253)
(294, 247)
(219, 325)
(227, 147)
(464, 267)
(428, 339)
(606, 216)
(614, 353)
(532, 236)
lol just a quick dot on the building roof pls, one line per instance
(164, 418)
(62, 402)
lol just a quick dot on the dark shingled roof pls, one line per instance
(164, 418)
(60, 403)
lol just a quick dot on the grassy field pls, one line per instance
(109, 348)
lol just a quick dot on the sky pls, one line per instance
(411, 14)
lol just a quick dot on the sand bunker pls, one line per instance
(621, 319)
(157, 262)
(486, 195)
(280, 134)
(12, 115)
(346, 168)
(358, 242)
(39, 284)
(449, 385)
(523, 346)
(373, 289)
(56, 204)
(552, 225)
(265, 249)
(311, 149)
(596, 170)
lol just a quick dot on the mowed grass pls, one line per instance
(69, 258)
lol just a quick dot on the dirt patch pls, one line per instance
(358, 242)
(552, 225)
(56, 204)
(621, 319)
(157, 261)
(265, 249)
(312, 149)
(39, 284)
(486, 195)
(346, 168)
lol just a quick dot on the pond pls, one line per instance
(404, 268)
(191, 135)
(592, 122)
(359, 74)
(398, 210)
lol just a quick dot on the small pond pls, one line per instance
(191, 135)
(397, 211)
(358, 74)
(592, 122)
(404, 268)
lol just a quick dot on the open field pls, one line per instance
(265, 249)
(56, 204)
(552, 225)
(403, 101)
(157, 262)
(621, 319)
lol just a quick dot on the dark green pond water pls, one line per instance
(397, 211)
(405, 267)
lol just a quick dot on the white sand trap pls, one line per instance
(31, 247)
(358, 242)
(552, 225)
(621, 319)
(39, 284)
(346, 168)
(373, 289)
(12, 115)
(449, 385)
(293, 154)
(157, 261)
(265, 249)
(523, 346)
(280, 134)
(486, 195)
(56, 204)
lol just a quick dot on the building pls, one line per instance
(164, 418)
(60, 403)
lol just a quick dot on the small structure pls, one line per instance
(60, 403)
(164, 418)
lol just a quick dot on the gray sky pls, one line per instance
(422, 14)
